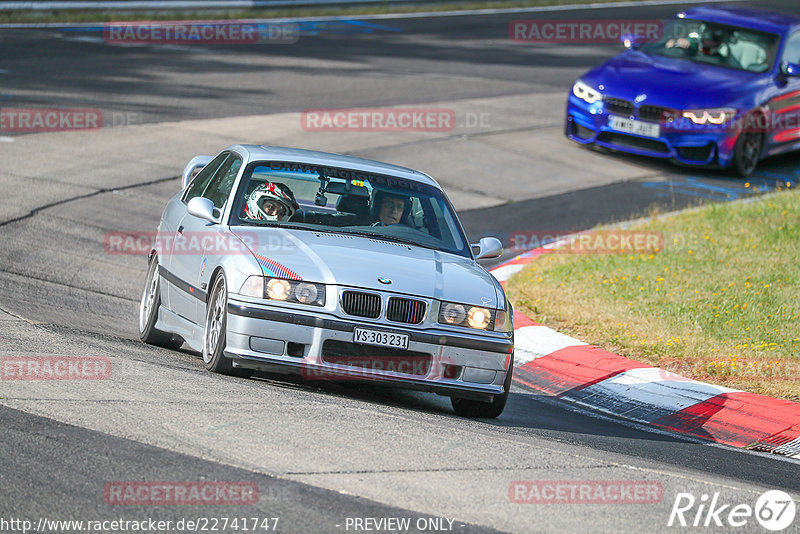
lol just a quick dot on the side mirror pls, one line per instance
(203, 208)
(632, 41)
(488, 247)
(198, 162)
(790, 69)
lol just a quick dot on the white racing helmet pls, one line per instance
(280, 195)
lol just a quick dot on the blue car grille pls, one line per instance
(617, 106)
(403, 310)
(361, 304)
(626, 108)
(656, 113)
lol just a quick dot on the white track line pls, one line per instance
(531, 342)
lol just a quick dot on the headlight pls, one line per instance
(464, 315)
(306, 293)
(278, 289)
(586, 92)
(479, 317)
(452, 313)
(710, 116)
(284, 290)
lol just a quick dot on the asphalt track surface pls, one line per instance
(318, 453)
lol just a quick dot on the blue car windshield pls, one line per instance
(716, 44)
(325, 199)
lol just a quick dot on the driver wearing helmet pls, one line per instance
(271, 202)
(713, 43)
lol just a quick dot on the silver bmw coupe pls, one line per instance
(332, 267)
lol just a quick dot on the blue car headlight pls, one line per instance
(714, 116)
(586, 92)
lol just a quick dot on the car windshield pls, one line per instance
(716, 44)
(346, 201)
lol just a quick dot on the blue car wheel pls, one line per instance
(746, 154)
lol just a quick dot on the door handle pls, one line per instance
(180, 230)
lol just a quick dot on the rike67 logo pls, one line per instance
(774, 510)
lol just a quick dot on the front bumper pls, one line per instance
(682, 141)
(440, 361)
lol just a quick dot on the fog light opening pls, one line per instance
(451, 371)
(296, 350)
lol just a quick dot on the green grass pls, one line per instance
(720, 303)
(314, 11)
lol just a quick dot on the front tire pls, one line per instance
(746, 154)
(148, 311)
(216, 324)
(485, 410)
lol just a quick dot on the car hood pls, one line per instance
(674, 83)
(357, 261)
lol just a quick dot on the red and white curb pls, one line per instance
(562, 366)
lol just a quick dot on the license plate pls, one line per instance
(379, 338)
(622, 124)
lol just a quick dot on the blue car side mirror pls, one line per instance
(632, 41)
(790, 69)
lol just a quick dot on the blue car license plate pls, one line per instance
(630, 126)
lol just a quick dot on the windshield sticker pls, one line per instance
(346, 174)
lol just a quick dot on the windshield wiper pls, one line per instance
(278, 225)
(378, 235)
(375, 235)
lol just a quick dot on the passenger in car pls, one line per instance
(389, 208)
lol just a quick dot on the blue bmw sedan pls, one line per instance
(719, 87)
